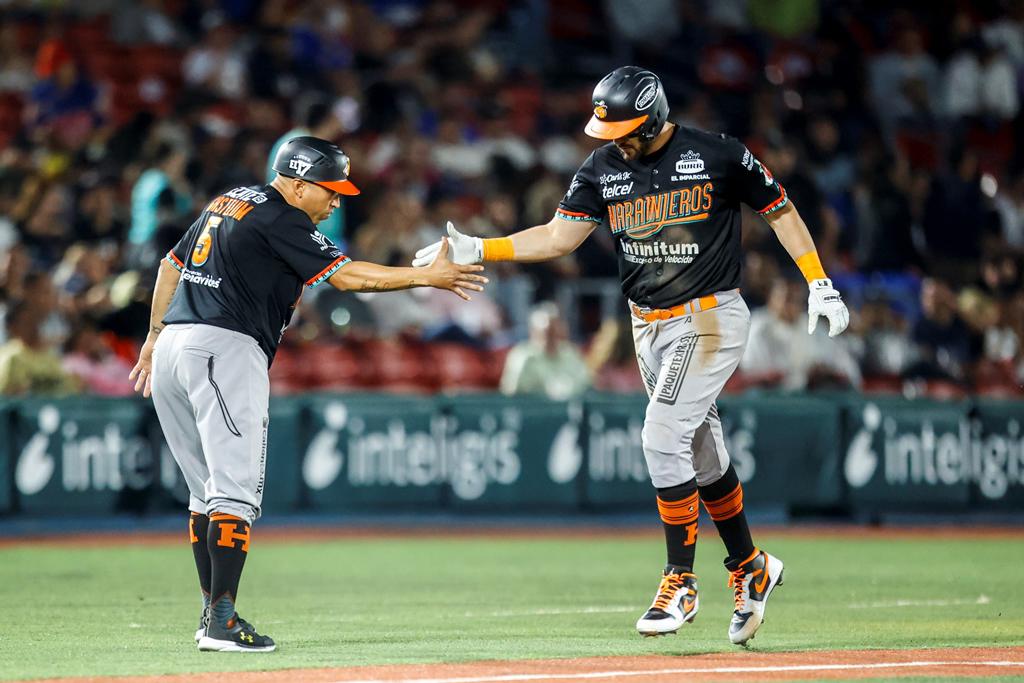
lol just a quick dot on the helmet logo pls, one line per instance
(348, 166)
(646, 97)
(600, 109)
(299, 166)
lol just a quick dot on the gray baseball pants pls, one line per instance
(211, 391)
(685, 362)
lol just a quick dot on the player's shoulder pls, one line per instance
(710, 139)
(273, 212)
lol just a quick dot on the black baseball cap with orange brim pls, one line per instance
(628, 101)
(317, 161)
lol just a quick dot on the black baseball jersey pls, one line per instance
(243, 264)
(674, 214)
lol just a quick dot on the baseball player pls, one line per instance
(224, 295)
(671, 196)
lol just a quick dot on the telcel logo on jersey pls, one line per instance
(612, 191)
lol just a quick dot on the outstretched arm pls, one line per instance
(167, 279)
(823, 299)
(362, 276)
(557, 237)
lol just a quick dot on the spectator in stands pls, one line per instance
(166, 175)
(217, 65)
(901, 75)
(884, 235)
(885, 348)
(28, 365)
(981, 82)
(15, 63)
(88, 358)
(547, 363)
(955, 200)
(1009, 202)
(781, 353)
(98, 216)
(64, 103)
(612, 358)
(940, 334)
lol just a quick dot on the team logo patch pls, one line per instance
(600, 109)
(646, 97)
(323, 240)
(299, 166)
(689, 163)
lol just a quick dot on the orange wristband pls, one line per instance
(810, 265)
(499, 249)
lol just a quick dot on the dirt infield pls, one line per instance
(303, 534)
(785, 666)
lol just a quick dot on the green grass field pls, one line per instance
(132, 610)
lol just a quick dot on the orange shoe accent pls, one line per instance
(760, 586)
(670, 583)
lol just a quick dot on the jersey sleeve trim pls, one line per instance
(328, 271)
(777, 204)
(174, 261)
(574, 216)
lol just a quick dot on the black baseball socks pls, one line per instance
(679, 507)
(198, 528)
(724, 502)
(228, 545)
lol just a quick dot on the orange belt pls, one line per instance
(693, 306)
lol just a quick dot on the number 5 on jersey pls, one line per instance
(205, 241)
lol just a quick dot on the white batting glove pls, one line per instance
(825, 301)
(465, 250)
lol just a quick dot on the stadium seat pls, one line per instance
(334, 367)
(459, 368)
(400, 366)
(882, 384)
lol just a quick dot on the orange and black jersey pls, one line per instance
(675, 214)
(244, 262)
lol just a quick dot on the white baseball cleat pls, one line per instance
(675, 604)
(752, 581)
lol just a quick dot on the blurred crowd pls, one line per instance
(897, 133)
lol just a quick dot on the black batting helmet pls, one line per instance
(317, 161)
(628, 100)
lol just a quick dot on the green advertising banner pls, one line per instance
(374, 452)
(615, 471)
(88, 455)
(517, 454)
(785, 448)
(997, 454)
(907, 455)
(81, 455)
